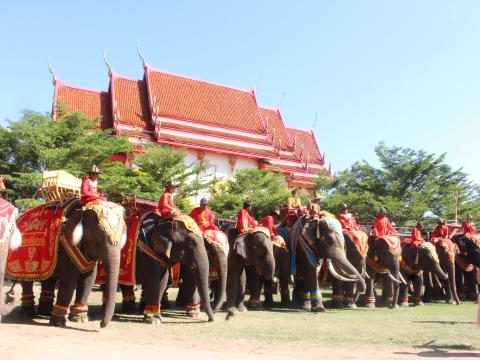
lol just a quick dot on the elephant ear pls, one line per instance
(239, 246)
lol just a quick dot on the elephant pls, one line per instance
(10, 238)
(344, 294)
(415, 260)
(86, 238)
(254, 249)
(466, 260)
(383, 257)
(170, 241)
(319, 239)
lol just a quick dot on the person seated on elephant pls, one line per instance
(203, 216)
(468, 226)
(417, 238)
(382, 225)
(440, 231)
(293, 201)
(313, 210)
(89, 190)
(166, 207)
(245, 221)
(347, 219)
(269, 222)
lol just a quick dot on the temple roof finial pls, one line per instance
(259, 82)
(281, 101)
(144, 62)
(315, 121)
(110, 71)
(52, 72)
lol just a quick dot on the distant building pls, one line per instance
(218, 123)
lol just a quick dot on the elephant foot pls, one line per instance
(337, 304)
(128, 307)
(392, 306)
(58, 321)
(420, 303)
(255, 305)
(307, 305)
(404, 304)
(193, 314)
(317, 307)
(78, 318)
(152, 320)
(268, 302)
(242, 308)
(28, 311)
(350, 306)
(45, 308)
(165, 304)
(231, 311)
(370, 305)
(472, 297)
(285, 300)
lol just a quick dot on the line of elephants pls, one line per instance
(250, 263)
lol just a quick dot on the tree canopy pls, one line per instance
(411, 184)
(264, 188)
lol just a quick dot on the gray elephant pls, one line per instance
(10, 238)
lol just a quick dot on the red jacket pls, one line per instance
(417, 236)
(245, 221)
(204, 218)
(348, 221)
(89, 192)
(165, 204)
(440, 231)
(268, 222)
(469, 228)
(382, 226)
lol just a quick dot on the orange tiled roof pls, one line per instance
(198, 101)
(94, 104)
(131, 99)
(276, 129)
(305, 138)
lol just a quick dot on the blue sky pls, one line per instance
(404, 72)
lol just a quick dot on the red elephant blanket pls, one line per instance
(360, 239)
(37, 257)
(8, 212)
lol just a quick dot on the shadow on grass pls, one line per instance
(444, 351)
(443, 322)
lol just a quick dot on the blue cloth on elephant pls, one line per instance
(294, 233)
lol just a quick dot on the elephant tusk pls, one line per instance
(392, 277)
(402, 278)
(334, 272)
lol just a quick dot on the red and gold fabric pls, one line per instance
(37, 256)
(89, 192)
(294, 202)
(111, 219)
(83, 264)
(469, 228)
(440, 231)
(269, 223)
(359, 238)
(126, 274)
(218, 239)
(175, 273)
(245, 221)
(204, 218)
(189, 223)
(279, 241)
(382, 226)
(393, 243)
(448, 246)
(417, 239)
(8, 214)
(166, 206)
(348, 221)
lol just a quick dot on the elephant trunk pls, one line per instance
(349, 271)
(5, 308)
(202, 271)
(269, 267)
(437, 269)
(222, 279)
(452, 282)
(111, 264)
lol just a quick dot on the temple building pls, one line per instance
(221, 124)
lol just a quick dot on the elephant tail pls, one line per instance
(16, 240)
(77, 233)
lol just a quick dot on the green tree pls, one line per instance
(410, 184)
(264, 188)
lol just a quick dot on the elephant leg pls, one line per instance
(403, 296)
(459, 280)
(313, 296)
(190, 296)
(27, 309)
(417, 290)
(337, 294)
(128, 299)
(184, 287)
(235, 268)
(79, 309)
(239, 301)
(255, 287)
(471, 288)
(349, 295)
(151, 275)
(284, 276)
(268, 291)
(370, 291)
(67, 283)
(47, 296)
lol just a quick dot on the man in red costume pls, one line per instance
(347, 219)
(89, 190)
(245, 221)
(440, 231)
(203, 216)
(417, 238)
(468, 226)
(166, 207)
(382, 226)
(269, 222)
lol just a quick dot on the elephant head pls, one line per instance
(10, 238)
(173, 240)
(84, 228)
(325, 236)
(424, 258)
(257, 250)
(469, 249)
(447, 250)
